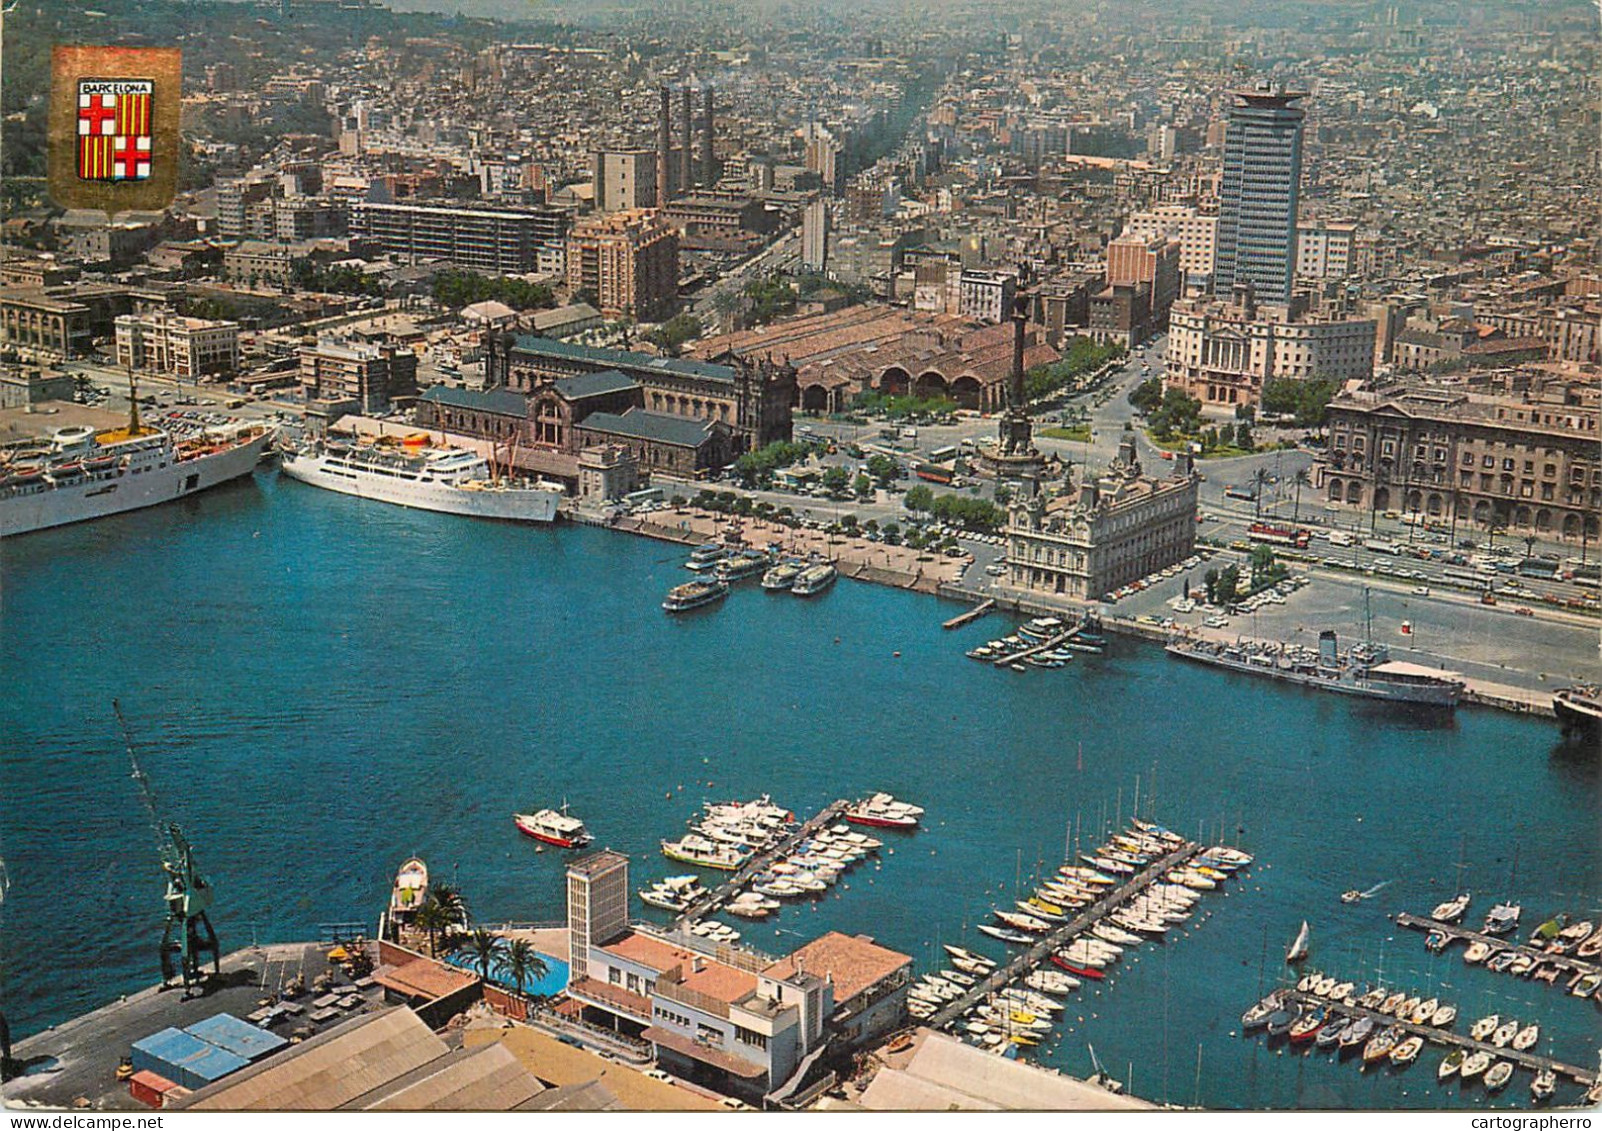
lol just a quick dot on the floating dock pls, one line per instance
(1563, 962)
(713, 900)
(1041, 951)
(1533, 1061)
(971, 615)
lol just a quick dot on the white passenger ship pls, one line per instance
(448, 480)
(82, 474)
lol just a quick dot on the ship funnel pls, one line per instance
(1326, 649)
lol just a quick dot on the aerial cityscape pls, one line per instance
(830, 558)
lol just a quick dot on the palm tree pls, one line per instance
(487, 948)
(523, 965)
(1302, 478)
(1259, 481)
(431, 917)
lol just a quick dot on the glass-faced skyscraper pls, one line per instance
(1258, 193)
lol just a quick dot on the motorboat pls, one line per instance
(1499, 1074)
(1505, 1033)
(1437, 941)
(1485, 1026)
(1343, 992)
(1306, 1026)
(1452, 910)
(1449, 1066)
(1473, 1065)
(1407, 1052)
(1357, 1032)
(1476, 952)
(1388, 1006)
(1503, 919)
(1379, 1046)
(1585, 985)
(1330, 1035)
(1423, 1014)
(704, 853)
(1281, 1020)
(411, 885)
(1444, 1016)
(1526, 1037)
(550, 826)
(1544, 1084)
(1372, 999)
(1257, 1016)
(1323, 986)
(1405, 1010)
(1352, 896)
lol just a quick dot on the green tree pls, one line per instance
(523, 964)
(1147, 395)
(918, 498)
(862, 486)
(671, 335)
(1302, 477)
(1210, 584)
(1227, 585)
(883, 469)
(1243, 437)
(487, 948)
(836, 481)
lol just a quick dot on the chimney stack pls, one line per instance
(687, 153)
(664, 148)
(709, 161)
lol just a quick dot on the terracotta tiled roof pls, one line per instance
(853, 962)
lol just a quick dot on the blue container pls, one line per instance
(241, 1038)
(184, 1058)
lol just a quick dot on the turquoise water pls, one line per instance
(322, 687)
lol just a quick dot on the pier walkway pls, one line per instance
(971, 615)
(1531, 1060)
(1041, 951)
(718, 896)
(1564, 962)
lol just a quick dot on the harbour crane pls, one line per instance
(188, 939)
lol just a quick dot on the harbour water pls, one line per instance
(321, 687)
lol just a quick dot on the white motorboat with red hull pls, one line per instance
(552, 827)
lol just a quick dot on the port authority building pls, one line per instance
(741, 1023)
(553, 399)
(1108, 531)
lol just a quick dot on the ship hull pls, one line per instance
(1577, 717)
(510, 505)
(109, 494)
(1443, 696)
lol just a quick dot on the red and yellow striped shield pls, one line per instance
(114, 127)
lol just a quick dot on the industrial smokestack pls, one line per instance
(664, 148)
(687, 154)
(709, 161)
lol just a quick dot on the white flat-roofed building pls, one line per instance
(183, 348)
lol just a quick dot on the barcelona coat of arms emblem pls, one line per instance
(114, 115)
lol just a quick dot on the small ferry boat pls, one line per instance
(550, 826)
(1503, 919)
(738, 567)
(1041, 629)
(814, 579)
(411, 884)
(781, 577)
(694, 594)
(705, 558)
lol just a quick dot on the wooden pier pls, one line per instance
(1563, 962)
(1041, 951)
(971, 615)
(1531, 1060)
(713, 900)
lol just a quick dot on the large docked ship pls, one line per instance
(1365, 670)
(1579, 709)
(81, 474)
(448, 480)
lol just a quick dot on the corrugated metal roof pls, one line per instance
(238, 1037)
(331, 1069)
(486, 1079)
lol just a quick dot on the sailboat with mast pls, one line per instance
(1298, 947)
(1365, 670)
